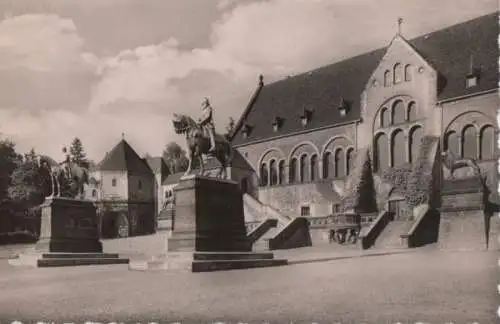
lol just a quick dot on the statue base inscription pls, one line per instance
(208, 230)
(68, 236)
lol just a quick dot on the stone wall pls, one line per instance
(120, 190)
(288, 199)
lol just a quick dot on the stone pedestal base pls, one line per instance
(462, 230)
(208, 230)
(207, 261)
(68, 226)
(68, 236)
(208, 217)
(42, 260)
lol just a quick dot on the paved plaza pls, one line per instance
(425, 285)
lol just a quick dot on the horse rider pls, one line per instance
(207, 122)
(66, 163)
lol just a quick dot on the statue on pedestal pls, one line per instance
(452, 163)
(64, 171)
(202, 140)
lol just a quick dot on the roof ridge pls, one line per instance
(374, 51)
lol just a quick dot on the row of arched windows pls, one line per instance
(397, 75)
(306, 169)
(395, 150)
(399, 113)
(471, 142)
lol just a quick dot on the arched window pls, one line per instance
(292, 170)
(273, 172)
(281, 172)
(398, 73)
(349, 161)
(381, 152)
(408, 72)
(398, 149)
(263, 174)
(398, 112)
(339, 163)
(384, 117)
(451, 142)
(314, 167)
(387, 78)
(94, 193)
(415, 139)
(327, 165)
(303, 168)
(469, 142)
(487, 142)
(412, 111)
(113, 182)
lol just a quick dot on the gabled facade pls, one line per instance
(441, 85)
(127, 193)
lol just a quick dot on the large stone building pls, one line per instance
(309, 137)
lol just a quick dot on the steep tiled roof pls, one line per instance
(157, 165)
(123, 158)
(172, 178)
(321, 90)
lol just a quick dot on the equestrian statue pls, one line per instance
(202, 139)
(66, 171)
(453, 162)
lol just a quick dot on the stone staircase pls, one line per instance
(390, 238)
(262, 244)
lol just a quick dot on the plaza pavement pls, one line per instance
(423, 285)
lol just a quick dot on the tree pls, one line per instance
(175, 157)
(77, 153)
(8, 163)
(229, 127)
(28, 184)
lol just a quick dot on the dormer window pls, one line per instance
(473, 76)
(246, 130)
(277, 123)
(471, 80)
(343, 107)
(305, 118)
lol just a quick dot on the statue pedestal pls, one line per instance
(462, 219)
(208, 217)
(208, 230)
(68, 225)
(68, 236)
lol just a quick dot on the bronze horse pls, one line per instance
(198, 144)
(74, 173)
(452, 163)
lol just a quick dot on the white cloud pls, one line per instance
(41, 43)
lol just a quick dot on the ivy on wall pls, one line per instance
(361, 195)
(414, 182)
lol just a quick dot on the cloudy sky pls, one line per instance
(98, 68)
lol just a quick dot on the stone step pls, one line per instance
(56, 255)
(261, 245)
(209, 265)
(203, 256)
(218, 265)
(65, 262)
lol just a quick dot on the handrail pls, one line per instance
(279, 240)
(419, 213)
(261, 229)
(369, 234)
